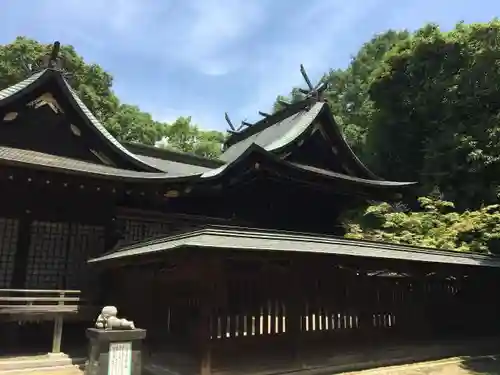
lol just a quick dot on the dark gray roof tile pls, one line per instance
(102, 130)
(253, 239)
(40, 160)
(276, 135)
(174, 167)
(11, 90)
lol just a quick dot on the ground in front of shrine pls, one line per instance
(489, 365)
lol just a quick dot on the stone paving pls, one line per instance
(489, 365)
(64, 371)
(480, 366)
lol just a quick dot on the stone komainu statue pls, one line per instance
(107, 320)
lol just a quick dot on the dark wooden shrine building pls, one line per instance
(232, 261)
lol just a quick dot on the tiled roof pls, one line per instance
(254, 239)
(267, 136)
(11, 90)
(277, 135)
(38, 160)
(94, 122)
(103, 132)
(13, 156)
(172, 161)
(171, 166)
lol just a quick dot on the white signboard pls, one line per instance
(120, 358)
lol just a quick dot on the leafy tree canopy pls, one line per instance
(437, 225)
(436, 100)
(94, 86)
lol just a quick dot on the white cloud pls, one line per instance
(199, 33)
(214, 37)
(313, 45)
(213, 28)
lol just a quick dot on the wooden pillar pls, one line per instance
(365, 304)
(210, 271)
(58, 328)
(205, 342)
(294, 310)
(57, 336)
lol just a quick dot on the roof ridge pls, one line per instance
(100, 128)
(172, 155)
(39, 78)
(268, 121)
(21, 85)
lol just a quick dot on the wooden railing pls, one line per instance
(39, 301)
(40, 304)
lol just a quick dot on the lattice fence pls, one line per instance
(47, 255)
(84, 241)
(8, 246)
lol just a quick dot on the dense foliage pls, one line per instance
(436, 225)
(425, 106)
(437, 109)
(94, 86)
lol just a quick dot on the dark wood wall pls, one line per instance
(245, 309)
(47, 235)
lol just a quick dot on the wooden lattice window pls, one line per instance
(8, 246)
(47, 255)
(84, 241)
(155, 229)
(138, 230)
(133, 231)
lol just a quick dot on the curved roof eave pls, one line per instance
(101, 131)
(337, 135)
(12, 93)
(246, 161)
(266, 156)
(333, 175)
(41, 161)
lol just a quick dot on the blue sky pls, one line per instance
(201, 58)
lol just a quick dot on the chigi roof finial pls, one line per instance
(54, 55)
(233, 128)
(229, 122)
(313, 91)
(52, 60)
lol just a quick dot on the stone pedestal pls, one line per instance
(114, 352)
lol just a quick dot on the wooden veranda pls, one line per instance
(235, 300)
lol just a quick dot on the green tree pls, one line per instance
(94, 87)
(130, 124)
(437, 109)
(437, 225)
(348, 94)
(91, 82)
(185, 136)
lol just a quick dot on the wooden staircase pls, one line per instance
(49, 362)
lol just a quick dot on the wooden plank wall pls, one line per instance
(219, 311)
(277, 311)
